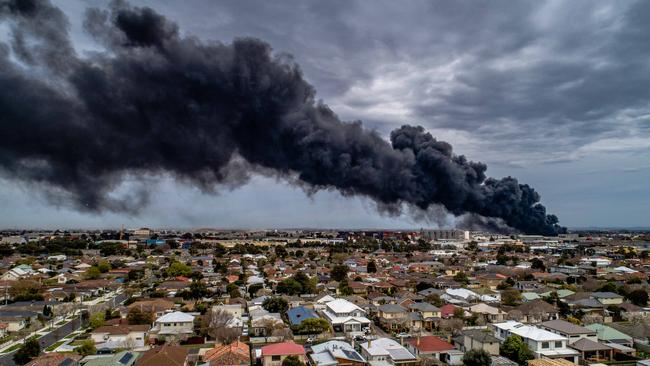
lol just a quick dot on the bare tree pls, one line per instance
(218, 324)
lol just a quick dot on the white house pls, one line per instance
(386, 351)
(120, 336)
(541, 342)
(18, 272)
(345, 316)
(176, 325)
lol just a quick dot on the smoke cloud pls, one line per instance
(156, 102)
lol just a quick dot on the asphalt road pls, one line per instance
(54, 336)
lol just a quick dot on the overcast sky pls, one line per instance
(553, 93)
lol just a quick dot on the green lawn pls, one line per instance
(54, 346)
(13, 348)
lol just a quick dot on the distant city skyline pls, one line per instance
(552, 93)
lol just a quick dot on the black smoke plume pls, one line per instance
(156, 102)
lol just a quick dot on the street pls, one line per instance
(54, 336)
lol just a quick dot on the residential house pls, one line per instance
(120, 336)
(158, 307)
(607, 298)
(167, 355)
(345, 316)
(234, 354)
(274, 354)
(176, 325)
(488, 313)
(55, 359)
(264, 323)
(572, 332)
(535, 311)
(608, 334)
(393, 316)
(298, 314)
(541, 342)
(429, 313)
(480, 339)
(335, 353)
(124, 358)
(383, 351)
(429, 346)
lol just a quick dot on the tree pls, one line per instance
(510, 297)
(372, 266)
(252, 289)
(280, 251)
(87, 348)
(93, 273)
(27, 351)
(97, 320)
(339, 272)
(537, 263)
(137, 316)
(515, 349)
(178, 269)
(477, 357)
(312, 255)
(638, 297)
(215, 324)
(461, 277)
(292, 361)
(47, 311)
(104, 266)
(25, 290)
(344, 289)
(276, 305)
(313, 326)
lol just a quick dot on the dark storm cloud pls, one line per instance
(548, 77)
(159, 102)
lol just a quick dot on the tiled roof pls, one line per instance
(166, 355)
(283, 349)
(430, 344)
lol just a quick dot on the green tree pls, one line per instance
(93, 273)
(461, 277)
(477, 357)
(638, 297)
(372, 266)
(280, 251)
(344, 288)
(339, 272)
(313, 326)
(27, 351)
(292, 361)
(510, 297)
(86, 348)
(312, 255)
(104, 266)
(276, 305)
(516, 349)
(178, 269)
(97, 320)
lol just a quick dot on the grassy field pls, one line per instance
(13, 348)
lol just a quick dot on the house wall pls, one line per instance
(490, 347)
(277, 361)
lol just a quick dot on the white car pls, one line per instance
(403, 335)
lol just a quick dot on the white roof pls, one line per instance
(342, 306)
(326, 299)
(625, 270)
(530, 332)
(387, 347)
(177, 316)
(462, 293)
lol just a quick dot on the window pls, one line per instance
(275, 358)
(558, 344)
(544, 345)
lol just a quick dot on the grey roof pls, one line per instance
(565, 327)
(587, 345)
(392, 308)
(481, 335)
(502, 361)
(423, 306)
(605, 295)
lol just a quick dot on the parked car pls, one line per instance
(403, 335)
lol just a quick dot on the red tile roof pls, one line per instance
(430, 344)
(283, 349)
